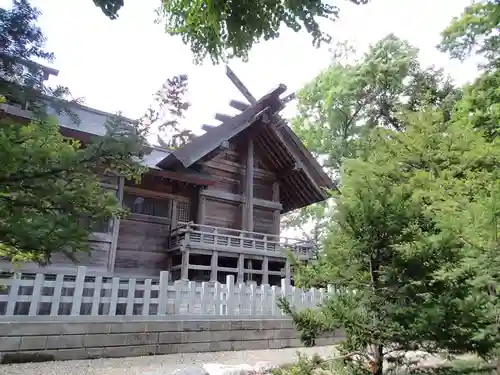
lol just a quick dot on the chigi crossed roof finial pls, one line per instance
(239, 105)
(302, 179)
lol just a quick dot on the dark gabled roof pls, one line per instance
(204, 145)
(302, 179)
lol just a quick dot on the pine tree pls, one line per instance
(48, 183)
(406, 278)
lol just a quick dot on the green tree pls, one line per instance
(168, 109)
(413, 243)
(48, 183)
(402, 273)
(476, 32)
(230, 29)
(21, 42)
(348, 99)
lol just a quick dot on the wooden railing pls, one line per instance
(189, 233)
(57, 294)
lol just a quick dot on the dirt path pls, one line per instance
(158, 365)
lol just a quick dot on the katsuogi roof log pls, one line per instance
(302, 180)
(202, 146)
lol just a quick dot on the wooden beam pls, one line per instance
(224, 195)
(223, 118)
(219, 194)
(297, 166)
(289, 98)
(224, 145)
(233, 167)
(240, 86)
(179, 176)
(154, 194)
(267, 204)
(277, 131)
(207, 127)
(240, 106)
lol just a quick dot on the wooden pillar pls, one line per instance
(116, 227)
(185, 265)
(202, 202)
(249, 187)
(265, 270)
(214, 265)
(276, 191)
(169, 262)
(174, 215)
(241, 268)
(276, 213)
(288, 271)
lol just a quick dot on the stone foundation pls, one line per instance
(66, 338)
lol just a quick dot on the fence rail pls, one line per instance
(62, 294)
(191, 233)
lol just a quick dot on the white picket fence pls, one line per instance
(62, 294)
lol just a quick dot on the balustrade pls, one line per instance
(187, 234)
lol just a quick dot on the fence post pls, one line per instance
(191, 308)
(56, 296)
(274, 306)
(330, 290)
(253, 300)
(230, 294)
(217, 302)
(163, 293)
(130, 297)
(35, 296)
(146, 297)
(13, 295)
(264, 299)
(96, 299)
(204, 298)
(296, 298)
(113, 300)
(78, 291)
(179, 287)
(321, 295)
(285, 292)
(314, 297)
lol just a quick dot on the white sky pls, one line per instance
(118, 65)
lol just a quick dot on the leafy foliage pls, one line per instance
(225, 28)
(48, 186)
(413, 237)
(21, 41)
(49, 183)
(347, 100)
(168, 109)
(405, 279)
(475, 31)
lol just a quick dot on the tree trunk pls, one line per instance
(377, 364)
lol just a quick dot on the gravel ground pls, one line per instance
(160, 364)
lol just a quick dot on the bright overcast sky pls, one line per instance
(118, 65)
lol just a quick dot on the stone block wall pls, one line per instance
(44, 339)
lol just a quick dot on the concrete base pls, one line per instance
(47, 339)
